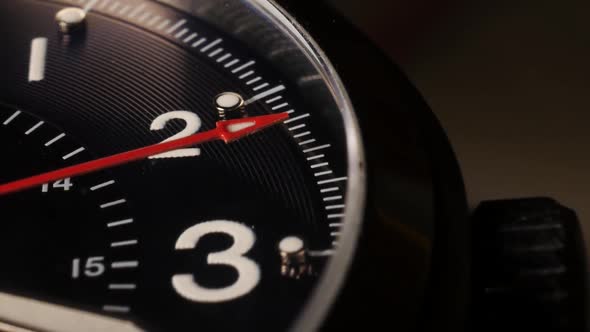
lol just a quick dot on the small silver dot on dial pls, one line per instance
(70, 18)
(291, 245)
(230, 105)
(294, 258)
(229, 100)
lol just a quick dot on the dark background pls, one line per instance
(508, 79)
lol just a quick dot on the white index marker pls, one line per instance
(37, 60)
(265, 94)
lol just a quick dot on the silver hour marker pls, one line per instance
(291, 245)
(294, 258)
(229, 103)
(37, 60)
(70, 19)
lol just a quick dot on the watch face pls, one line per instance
(179, 165)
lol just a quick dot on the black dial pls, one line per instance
(225, 234)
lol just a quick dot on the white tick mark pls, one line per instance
(223, 58)
(181, 33)
(73, 153)
(116, 308)
(312, 78)
(333, 180)
(303, 125)
(324, 253)
(122, 286)
(231, 63)
(248, 74)
(57, 138)
(12, 117)
(163, 25)
(270, 101)
(329, 190)
(35, 127)
(120, 223)
(176, 27)
(198, 42)
(265, 94)
(307, 133)
(309, 141)
(113, 203)
(319, 156)
(323, 173)
(123, 244)
(216, 52)
(278, 107)
(297, 118)
(254, 80)
(260, 87)
(190, 37)
(102, 185)
(244, 66)
(317, 148)
(211, 45)
(319, 165)
(125, 265)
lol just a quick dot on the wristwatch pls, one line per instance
(247, 165)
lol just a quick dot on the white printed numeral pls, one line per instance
(65, 184)
(193, 125)
(93, 267)
(248, 270)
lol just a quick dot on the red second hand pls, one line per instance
(228, 131)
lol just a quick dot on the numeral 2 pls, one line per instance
(193, 125)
